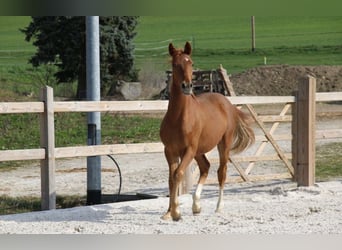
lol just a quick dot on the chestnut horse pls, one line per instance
(194, 125)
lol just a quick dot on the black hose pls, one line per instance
(120, 177)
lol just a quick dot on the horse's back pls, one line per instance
(217, 116)
(215, 102)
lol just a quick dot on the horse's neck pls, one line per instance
(178, 102)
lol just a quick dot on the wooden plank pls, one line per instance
(47, 141)
(132, 106)
(328, 96)
(21, 107)
(135, 148)
(228, 84)
(328, 134)
(239, 169)
(275, 118)
(240, 100)
(111, 106)
(280, 137)
(22, 154)
(271, 157)
(147, 106)
(305, 126)
(252, 178)
(253, 158)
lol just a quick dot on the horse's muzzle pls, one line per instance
(187, 88)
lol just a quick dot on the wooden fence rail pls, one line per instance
(302, 118)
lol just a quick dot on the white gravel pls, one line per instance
(267, 208)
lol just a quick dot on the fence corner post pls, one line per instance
(303, 147)
(47, 141)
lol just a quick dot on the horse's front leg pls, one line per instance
(173, 162)
(177, 179)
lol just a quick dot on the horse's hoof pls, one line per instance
(176, 216)
(196, 210)
(218, 210)
(166, 216)
(196, 213)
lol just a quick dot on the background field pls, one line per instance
(216, 40)
(227, 40)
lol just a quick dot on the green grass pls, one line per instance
(22, 131)
(14, 50)
(12, 39)
(329, 161)
(224, 32)
(23, 204)
(227, 40)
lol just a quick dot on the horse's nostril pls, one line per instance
(184, 85)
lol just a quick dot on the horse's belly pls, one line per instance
(206, 145)
(212, 134)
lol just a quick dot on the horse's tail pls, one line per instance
(243, 134)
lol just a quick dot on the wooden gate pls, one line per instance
(302, 121)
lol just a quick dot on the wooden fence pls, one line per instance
(301, 167)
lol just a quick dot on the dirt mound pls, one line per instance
(284, 79)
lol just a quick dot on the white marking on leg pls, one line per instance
(196, 207)
(220, 202)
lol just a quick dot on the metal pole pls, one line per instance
(94, 118)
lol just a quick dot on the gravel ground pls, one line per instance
(263, 208)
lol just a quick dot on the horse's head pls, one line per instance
(182, 67)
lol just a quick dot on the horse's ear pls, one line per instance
(187, 48)
(171, 49)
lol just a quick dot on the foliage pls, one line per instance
(60, 40)
(117, 48)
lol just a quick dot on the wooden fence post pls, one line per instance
(253, 32)
(47, 141)
(303, 129)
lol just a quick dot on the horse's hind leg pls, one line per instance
(223, 148)
(204, 166)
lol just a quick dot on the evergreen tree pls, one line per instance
(61, 40)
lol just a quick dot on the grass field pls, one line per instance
(14, 50)
(216, 40)
(227, 40)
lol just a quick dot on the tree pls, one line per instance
(61, 40)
